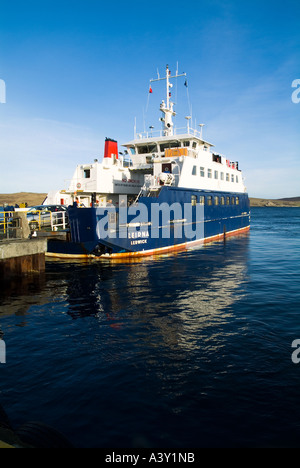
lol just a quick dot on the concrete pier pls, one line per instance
(21, 256)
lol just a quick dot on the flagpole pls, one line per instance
(167, 81)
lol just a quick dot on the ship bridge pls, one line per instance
(145, 149)
(169, 142)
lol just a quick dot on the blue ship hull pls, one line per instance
(194, 217)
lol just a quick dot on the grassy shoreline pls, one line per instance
(30, 198)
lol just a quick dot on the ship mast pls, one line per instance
(167, 107)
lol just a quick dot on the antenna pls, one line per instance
(201, 128)
(167, 108)
(188, 117)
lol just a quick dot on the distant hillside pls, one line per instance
(295, 201)
(30, 198)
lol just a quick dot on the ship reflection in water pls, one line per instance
(173, 300)
(170, 301)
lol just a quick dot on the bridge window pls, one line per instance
(164, 146)
(87, 173)
(147, 149)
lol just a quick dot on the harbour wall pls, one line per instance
(21, 256)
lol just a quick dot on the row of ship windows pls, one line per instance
(154, 148)
(216, 174)
(214, 200)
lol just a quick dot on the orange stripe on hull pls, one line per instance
(147, 253)
(179, 247)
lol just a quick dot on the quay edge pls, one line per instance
(18, 257)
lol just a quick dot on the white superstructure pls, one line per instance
(102, 182)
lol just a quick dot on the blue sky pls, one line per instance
(77, 72)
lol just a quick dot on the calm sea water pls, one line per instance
(188, 350)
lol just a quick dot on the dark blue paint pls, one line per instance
(217, 220)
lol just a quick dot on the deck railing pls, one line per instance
(48, 220)
(176, 131)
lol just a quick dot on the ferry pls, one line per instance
(165, 192)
